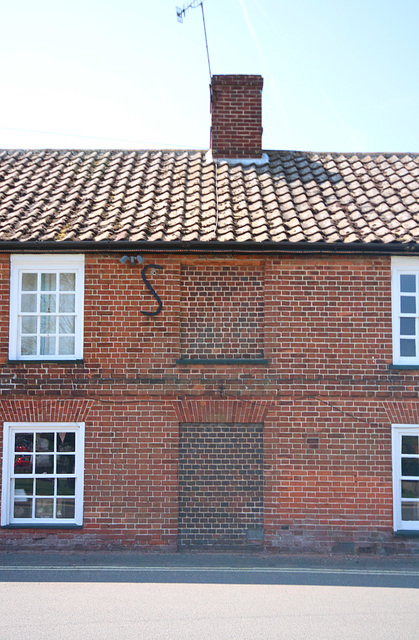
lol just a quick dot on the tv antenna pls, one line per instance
(194, 4)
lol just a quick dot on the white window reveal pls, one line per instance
(43, 467)
(405, 477)
(46, 307)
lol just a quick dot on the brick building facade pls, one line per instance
(272, 401)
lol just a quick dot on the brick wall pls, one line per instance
(329, 317)
(328, 474)
(326, 397)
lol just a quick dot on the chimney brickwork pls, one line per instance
(236, 109)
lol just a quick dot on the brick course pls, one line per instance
(326, 398)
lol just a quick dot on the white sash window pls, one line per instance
(46, 307)
(405, 306)
(405, 442)
(43, 466)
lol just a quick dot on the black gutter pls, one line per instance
(31, 246)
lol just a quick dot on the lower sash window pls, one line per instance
(406, 477)
(43, 467)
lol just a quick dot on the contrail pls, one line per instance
(268, 73)
(321, 96)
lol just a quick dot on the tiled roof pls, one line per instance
(172, 196)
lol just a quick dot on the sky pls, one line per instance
(339, 75)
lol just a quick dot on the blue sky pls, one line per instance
(338, 75)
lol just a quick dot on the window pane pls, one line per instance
(65, 508)
(410, 511)
(410, 467)
(410, 489)
(47, 346)
(66, 441)
(28, 346)
(22, 508)
(23, 488)
(48, 282)
(408, 283)
(44, 508)
(45, 441)
(66, 346)
(44, 487)
(48, 324)
(407, 348)
(48, 302)
(66, 486)
(408, 304)
(410, 444)
(67, 303)
(67, 281)
(23, 464)
(65, 464)
(28, 302)
(29, 324)
(44, 464)
(29, 281)
(67, 324)
(23, 441)
(407, 326)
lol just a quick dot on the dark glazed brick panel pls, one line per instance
(220, 485)
(222, 311)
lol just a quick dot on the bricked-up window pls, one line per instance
(405, 440)
(220, 484)
(405, 303)
(42, 480)
(46, 307)
(222, 311)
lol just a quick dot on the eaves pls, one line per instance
(392, 248)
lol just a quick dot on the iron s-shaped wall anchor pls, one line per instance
(132, 261)
(150, 288)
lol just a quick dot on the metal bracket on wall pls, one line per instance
(150, 288)
(132, 261)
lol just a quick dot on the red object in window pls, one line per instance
(23, 462)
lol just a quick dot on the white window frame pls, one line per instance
(37, 263)
(403, 266)
(397, 431)
(9, 430)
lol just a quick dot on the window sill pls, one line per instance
(45, 361)
(223, 361)
(406, 533)
(413, 367)
(42, 526)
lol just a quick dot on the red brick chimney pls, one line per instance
(236, 109)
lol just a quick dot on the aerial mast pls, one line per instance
(180, 13)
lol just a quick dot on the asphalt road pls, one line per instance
(208, 596)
